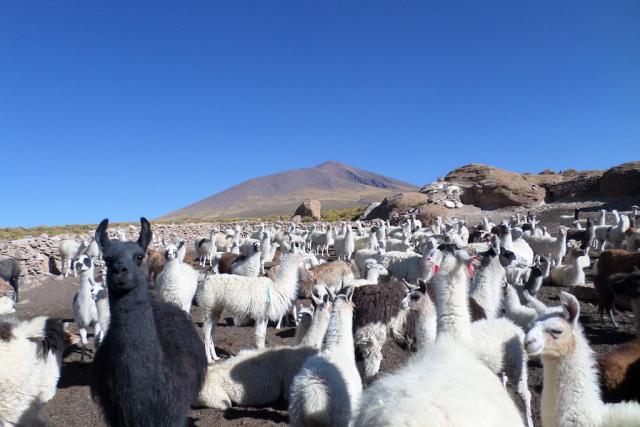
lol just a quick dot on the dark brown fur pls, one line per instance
(227, 258)
(376, 303)
(6, 331)
(612, 261)
(155, 263)
(620, 372)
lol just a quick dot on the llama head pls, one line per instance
(552, 335)
(374, 268)
(343, 299)
(414, 299)
(124, 259)
(172, 251)
(83, 264)
(305, 314)
(257, 247)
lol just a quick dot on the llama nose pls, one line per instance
(119, 268)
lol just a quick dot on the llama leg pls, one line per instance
(279, 324)
(525, 394)
(612, 317)
(261, 332)
(210, 321)
(294, 311)
(97, 336)
(83, 340)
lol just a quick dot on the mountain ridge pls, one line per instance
(335, 184)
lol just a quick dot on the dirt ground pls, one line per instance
(73, 406)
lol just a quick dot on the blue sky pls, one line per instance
(122, 109)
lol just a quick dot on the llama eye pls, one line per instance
(556, 332)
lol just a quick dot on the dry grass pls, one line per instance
(13, 233)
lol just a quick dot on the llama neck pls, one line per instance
(317, 329)
(286, 281)
(338, 339)
(507, 241)
(373, 275)
(132, 316)
(489, 275)
(85, 282)
(171, 265)
(426, 325)
(571, 394)
(452, 304)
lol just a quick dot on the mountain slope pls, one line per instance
(336, 185)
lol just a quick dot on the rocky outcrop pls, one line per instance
(489, 188)
(621, 181)
(310, 208)
(579, 188)
(368, 210)
(391, 207)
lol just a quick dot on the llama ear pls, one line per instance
(101, 234)
(317, 300)
(570, 307)
(422, 286)
(182, 251)
(145, 234)
(409, 286)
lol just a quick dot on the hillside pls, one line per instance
(335, 184)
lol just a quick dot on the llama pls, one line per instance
(248, 265)
(489, 277)
(378, 315)
(205, 248)
(85, 312)
(571, 395)
(331, 275)
(151, 364)
(345, 245)
(10, 271)
(304, 316)
(258, 298)
(514, 310)
(612, 261)
(327, 389)
(253, 377)
(31, 353)
(68, 251)
(445, 384)
(177, 283)
(497, 342)
(619, 367)
(421, 303)
(570, 274)
(557, 247)
(315, 333)
(373, 273)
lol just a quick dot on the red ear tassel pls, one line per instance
(435, 269)
(471, 269)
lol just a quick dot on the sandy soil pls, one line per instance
(73, 406)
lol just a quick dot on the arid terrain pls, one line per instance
(73, 406)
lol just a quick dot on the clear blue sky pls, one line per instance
(129, 108)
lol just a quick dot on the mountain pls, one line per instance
(335, 184)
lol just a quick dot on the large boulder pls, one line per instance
(368, 210)
(621, 181)
(310, 208)
(489, 188)
(391, 207)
